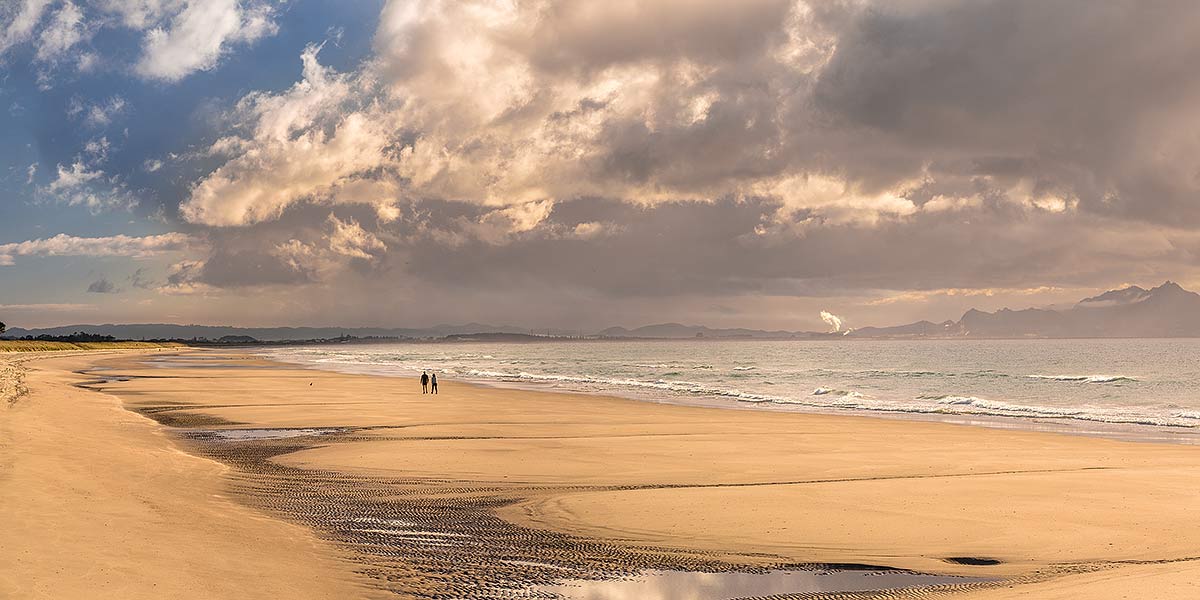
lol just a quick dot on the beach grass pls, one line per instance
(43, 346)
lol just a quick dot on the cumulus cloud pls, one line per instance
(516, 105)
(84, 186)
(350, 239)
(196, 37)
(475, 114)
(118, 245)
(300, 145)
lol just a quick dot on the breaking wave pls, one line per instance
(892, 378)
(1085, 378)
(669, 385)
(830, 398)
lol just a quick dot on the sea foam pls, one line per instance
(1085, 378)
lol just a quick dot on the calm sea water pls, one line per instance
(1130, 384)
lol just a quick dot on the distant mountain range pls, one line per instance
(1165, 311)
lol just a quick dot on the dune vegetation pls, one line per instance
(46, 346)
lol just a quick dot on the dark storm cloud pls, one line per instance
(102, 286)
(141, 280)
(713, 248)
(1085, 97)
(582, 37)
(238, 268)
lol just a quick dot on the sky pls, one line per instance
(585, 164)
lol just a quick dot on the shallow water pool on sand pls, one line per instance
(264, 434)
(688, 585)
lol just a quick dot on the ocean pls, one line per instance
(1138, 388)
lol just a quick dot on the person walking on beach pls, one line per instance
(433, 383)
(424, 382)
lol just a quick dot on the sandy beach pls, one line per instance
(132, 487)
(97, 502)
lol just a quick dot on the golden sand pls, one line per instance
(96, 502)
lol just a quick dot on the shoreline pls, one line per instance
(1156, 433)
(493, 488)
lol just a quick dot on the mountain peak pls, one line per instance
(1127, 295)
(1168, 286)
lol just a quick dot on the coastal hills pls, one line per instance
(1164, 311)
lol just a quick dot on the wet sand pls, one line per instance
(478, 492)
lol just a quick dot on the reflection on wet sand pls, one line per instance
(690, 585)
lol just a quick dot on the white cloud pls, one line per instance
(72, 177)
(98, 114)
(97, 149)
(522, 217)
(302, 144)
(119, 245)
(833, 200)
(181, 37)
(81, 185)
(348, 238)
(298, 256)
(66, 28)
(20, 22)
(942, 203)
(198, 35)
(594, 229)
(344, 240)
(87, 61)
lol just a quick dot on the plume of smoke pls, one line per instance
(833, 320)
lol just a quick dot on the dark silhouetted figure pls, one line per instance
(424, 382)
(433, 383)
